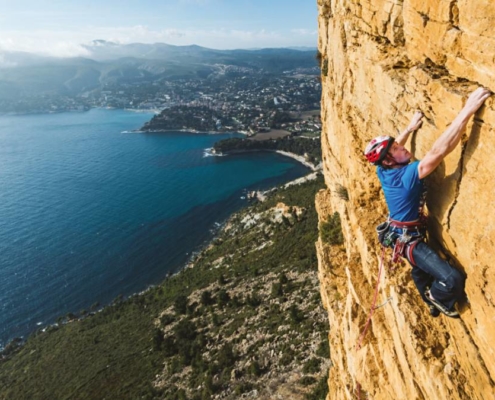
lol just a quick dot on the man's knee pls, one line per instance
(454, 281)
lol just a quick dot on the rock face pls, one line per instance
(381, 61)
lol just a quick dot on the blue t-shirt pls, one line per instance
(403, 189)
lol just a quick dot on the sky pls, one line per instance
(59, 27)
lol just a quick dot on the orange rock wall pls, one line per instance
(381, 61)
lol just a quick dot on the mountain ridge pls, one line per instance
(25, 74)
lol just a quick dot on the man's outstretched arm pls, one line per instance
(452, 135)
(414, 125)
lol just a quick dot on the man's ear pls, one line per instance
(386, 161)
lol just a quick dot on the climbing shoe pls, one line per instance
(440, 307)
(434, 312)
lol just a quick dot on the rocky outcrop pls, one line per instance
(381, 61)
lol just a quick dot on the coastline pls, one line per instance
(301, 159)
(294, 156)
(48, 324)
(47, 112)
(71, 317)
(188, 131)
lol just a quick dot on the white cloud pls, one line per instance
(5, 63)
(68, 43)
(42, 42)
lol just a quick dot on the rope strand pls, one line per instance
(370, 315)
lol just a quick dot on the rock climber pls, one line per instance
(441, 285)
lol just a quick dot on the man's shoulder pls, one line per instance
(405, 176)
(398, 171)
(413, 166)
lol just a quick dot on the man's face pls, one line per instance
(399, 153)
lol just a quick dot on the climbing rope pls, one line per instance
(370, 315)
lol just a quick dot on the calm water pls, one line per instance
(89, 211)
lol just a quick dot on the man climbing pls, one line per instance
(439, 284)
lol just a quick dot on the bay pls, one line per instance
(90, 211)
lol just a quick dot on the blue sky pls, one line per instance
(59, 27)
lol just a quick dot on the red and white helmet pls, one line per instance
(378, 148)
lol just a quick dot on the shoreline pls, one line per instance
(19, 341)
(42, 328)
(294, 156)
(133, 110)
(301, 159)
(188, 131)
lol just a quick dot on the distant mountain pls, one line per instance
(102, 50)
(25, 74)
(303, 48)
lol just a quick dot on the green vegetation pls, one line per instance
(303, 147)
(342, 192)
(324, 67)
(319, 57)
(178, 117)
(331, 230)
(320, 391)
(249, 305)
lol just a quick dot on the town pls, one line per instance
(245, 103)
(236, 99)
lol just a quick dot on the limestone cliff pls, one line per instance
(381, 61)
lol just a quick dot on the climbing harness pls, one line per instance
(403, 236)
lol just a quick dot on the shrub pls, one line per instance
(222, 280)
(307, 380)
(277, 290)
(157, 339)
(167, 319)
(287, 357)
(185, 330)
(243, 388)
(320, 391)
(206, 298)
(253, 300)
(223, 298)
(312, 366)
(226, 357)
(236, 302)
(295, 314)
(323, 349)
(255, 369)
(180, 304)
(319, 57)
(168, 346)
(324, 67)
(331, 230)
(342, 192)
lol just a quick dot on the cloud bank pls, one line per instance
(68, 43)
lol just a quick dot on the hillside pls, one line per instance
(381, 61)
(27, 75)
(243, 319)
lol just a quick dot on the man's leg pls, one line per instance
(448, 285)
(422, 280)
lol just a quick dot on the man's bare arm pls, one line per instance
(452, 135)
(414, 125)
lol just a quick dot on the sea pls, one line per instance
(91, 210)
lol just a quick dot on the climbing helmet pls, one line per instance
(378, 148)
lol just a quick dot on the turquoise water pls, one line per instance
(90, 210)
